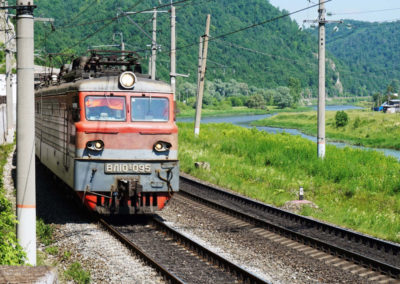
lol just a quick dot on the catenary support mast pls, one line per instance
(26, 180)
(154, 46)
(321, 81)
(173, 52)
(199, 101)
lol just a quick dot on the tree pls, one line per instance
(256, 101)
(341, 118)
(295, 89)
(236, 101)
(283, 98)
(377, 99)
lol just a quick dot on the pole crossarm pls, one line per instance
(180, 75)
(19, 7)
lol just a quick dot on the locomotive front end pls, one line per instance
(126, 145)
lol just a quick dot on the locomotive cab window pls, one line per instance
(105, 108)
(149, 109)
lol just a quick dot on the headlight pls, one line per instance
(161, 146)
(96, 145)
(127, 79)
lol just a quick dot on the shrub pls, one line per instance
(10, 251)
(357, 122)
(256, 101)
(341, 119)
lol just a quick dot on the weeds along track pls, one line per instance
(177, 258)
(355, 252)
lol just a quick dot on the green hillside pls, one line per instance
(369, 53)
(266, 56)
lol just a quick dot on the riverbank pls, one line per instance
(365, 127)
(352, 188)
(217, 112)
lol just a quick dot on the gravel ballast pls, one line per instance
(78, 239)
(267, 259)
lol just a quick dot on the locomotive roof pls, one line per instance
(107, 84)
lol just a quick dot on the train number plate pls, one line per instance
(127, 168)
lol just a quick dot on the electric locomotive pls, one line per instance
(109, 133)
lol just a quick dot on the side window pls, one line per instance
(76, 110)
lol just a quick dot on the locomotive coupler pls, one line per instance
(129, 189)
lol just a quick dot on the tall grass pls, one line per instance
(366, 128)
(353, 188)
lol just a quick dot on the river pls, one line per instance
(245, 121)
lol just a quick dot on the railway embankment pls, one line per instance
(352, 188)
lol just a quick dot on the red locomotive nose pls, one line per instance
(110, 135)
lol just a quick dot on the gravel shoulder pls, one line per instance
(77, 239)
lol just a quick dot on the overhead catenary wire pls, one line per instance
(123, 15)
(91, 4)
(112, 19)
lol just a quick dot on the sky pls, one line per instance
(362, 10)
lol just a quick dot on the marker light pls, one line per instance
(161, 146)
(127, 79)
(97, 145)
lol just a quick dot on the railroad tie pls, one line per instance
(369, 272)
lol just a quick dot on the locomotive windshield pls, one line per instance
(150, 109)
(105, 108)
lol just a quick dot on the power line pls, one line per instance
(83, 11)
(122, 15)
(254, 25)
(111, 20)
(363, 12)
(269, 20)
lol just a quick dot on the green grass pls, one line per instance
(352, 188)
(355, 101)
(51, 250)
(365, 127)
(77, 273)
(225, 112)
(44, 232)
(10, 251)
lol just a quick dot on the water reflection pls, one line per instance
(245, 121)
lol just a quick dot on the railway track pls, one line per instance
(177, 258)
(369, 257)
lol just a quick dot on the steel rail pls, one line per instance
(168, 276)
(211, 257)
(357, 258)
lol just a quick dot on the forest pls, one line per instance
(367, 55)
(361, 57)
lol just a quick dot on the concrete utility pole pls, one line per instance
(173, 52)
(321, 141)
(202, 76)
(321, 81)
(9, 89)
(154, 46)
(199, 66)
(26, 180)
